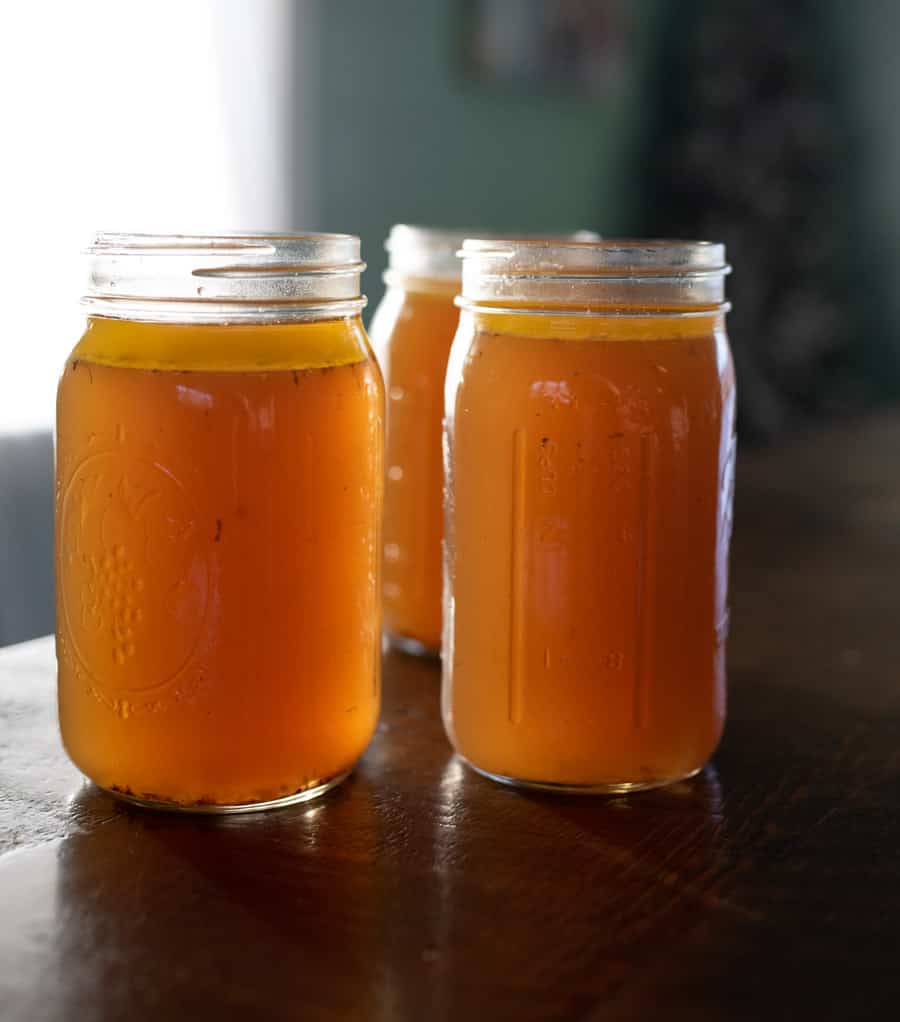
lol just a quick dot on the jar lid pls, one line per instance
(224, 277)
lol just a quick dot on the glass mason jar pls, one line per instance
(590, 417)
(412, 330)
(218, 506)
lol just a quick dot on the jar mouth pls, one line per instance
(625, 276)
(224, 277)
(433, 253)
(429, 253)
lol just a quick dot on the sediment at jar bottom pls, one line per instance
(218, 551)
(591, 486)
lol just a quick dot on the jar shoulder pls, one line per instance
(223, 346)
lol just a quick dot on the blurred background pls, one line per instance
(766, 124)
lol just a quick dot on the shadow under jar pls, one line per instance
(590, 417)
(218, 505)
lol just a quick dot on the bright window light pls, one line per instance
(146, 115)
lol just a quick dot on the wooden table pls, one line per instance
(768, 888)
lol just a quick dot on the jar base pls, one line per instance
(550, 787)
(412, 646)
(216, 809)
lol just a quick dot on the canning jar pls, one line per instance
(590, 443)
(218, 504)
(412, 330)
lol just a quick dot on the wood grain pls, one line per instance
(768, 888)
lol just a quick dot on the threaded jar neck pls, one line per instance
(423, 253)
(224, 278)
(594, 277)
(431, 254)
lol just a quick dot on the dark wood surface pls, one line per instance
(767, 888)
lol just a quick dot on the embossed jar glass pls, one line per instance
(412, 330)
(590, 409)
(218, 503)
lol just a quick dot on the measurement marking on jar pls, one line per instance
(517, 580)
(644, 588)
(547, 473)
(426, 541)
(309, 531)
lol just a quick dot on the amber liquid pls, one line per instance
(590, 468)
(412, 332)
(218, 507)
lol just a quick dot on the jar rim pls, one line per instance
(433, 253)
(224, 276)
(638, 255)
(401, 234)
(424, 252)
(599, 276)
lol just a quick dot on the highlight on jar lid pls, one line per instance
(624, 275)
(224, 277)
(433, 252)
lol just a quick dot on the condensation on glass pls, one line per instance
(590, 443)
(218, 500)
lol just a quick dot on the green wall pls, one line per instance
(869, 74)
(395, 131)
(403, 135)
